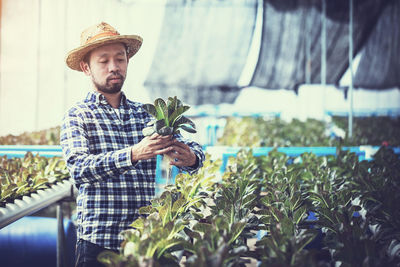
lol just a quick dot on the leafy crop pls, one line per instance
(168, 117)
(371, 130)
(20, 177)
(208, 220)
(256, 132)
(49, 136)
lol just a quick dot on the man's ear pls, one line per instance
(85, 67)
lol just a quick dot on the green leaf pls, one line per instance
(109, 258)
(192, 234)
(178, 204)
(183, 120)
(146, 209)
(178, 103)
(138, 223)
(40, 183)
(149, 108)
(172, 105)
(165, 244)
(162, 110)
(158, 125)
(176, 114)
(202, 227)
(187, 129)
(319, 198)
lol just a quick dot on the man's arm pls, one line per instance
(88, 168)
(83, 166)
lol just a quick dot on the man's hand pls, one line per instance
(150, 146)
(181, 155)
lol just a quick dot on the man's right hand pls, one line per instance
(150, 146)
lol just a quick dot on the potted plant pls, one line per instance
(168, 120)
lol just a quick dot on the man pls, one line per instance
(112, 163)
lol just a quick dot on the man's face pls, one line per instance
(107, 66)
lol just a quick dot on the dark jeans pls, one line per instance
(86, 254)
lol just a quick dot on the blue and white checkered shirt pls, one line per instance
(96, 143)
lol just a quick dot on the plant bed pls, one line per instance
(49, 136)
(210, 220)
(259, 132)
(21, 177)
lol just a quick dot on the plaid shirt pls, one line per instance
(96, 144)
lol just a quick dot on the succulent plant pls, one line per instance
(168, 117)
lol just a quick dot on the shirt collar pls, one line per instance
(98, 98)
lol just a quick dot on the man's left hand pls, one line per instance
(181, 155)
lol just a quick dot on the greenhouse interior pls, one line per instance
(243, 133)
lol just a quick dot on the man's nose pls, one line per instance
(113, 66)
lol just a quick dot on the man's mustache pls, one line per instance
(115, 76)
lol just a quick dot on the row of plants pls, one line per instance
(371, 130)
(49, 136)
(22, 176)
(275, 132)
(253, 131)
(206, 220)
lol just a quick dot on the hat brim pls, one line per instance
(75, 56)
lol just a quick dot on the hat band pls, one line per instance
(97, 36)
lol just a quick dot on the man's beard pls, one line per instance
(110, 88)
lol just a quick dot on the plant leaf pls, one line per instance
(171, 104)
(158, 125)
(188, 129)
(183, 120)
(149, 108)
(162, 110)
(176, 114)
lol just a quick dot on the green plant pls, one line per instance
(213, 244)
(49, 136)
(159, 234)
(275, 132)
(168, 117)
(22, 176)
(209, 220)
(375, 130)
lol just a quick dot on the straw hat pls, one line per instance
(99, 35)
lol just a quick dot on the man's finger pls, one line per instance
(182, 145)
(163, 150)
(162, 142)
(180, 149)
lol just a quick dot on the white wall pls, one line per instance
(36, 87)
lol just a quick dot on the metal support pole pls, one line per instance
(308, 48)
(323, 44)
(350, 126)
(323, 53)
(61, 256)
